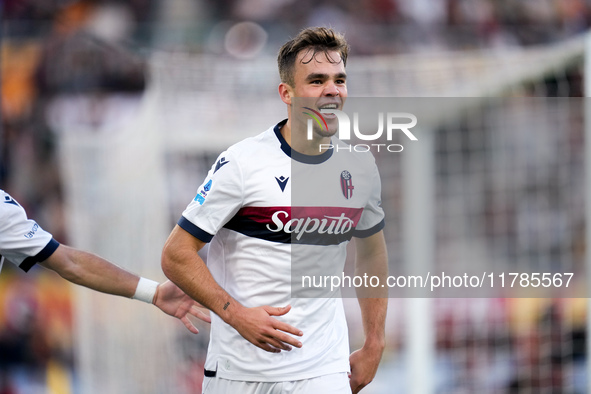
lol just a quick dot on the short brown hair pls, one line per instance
(316, 39)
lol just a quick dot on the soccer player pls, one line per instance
(24, 243)
(264, 340)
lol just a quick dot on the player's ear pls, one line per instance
(285, 92)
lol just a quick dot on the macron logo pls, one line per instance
(10, 200)
(282, 181)
(221, 162)
(31, 233)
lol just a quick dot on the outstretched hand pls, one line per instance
(174, 302)
(258, 327)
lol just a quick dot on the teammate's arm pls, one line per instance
(182, 265)
(371, 259)
(89, 270)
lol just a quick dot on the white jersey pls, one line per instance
(274, 217)
(22, 241)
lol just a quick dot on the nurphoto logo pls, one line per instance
(389, 122)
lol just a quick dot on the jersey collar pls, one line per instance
(295, 155)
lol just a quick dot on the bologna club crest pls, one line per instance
(347, 184)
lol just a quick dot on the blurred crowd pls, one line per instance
(98, 48)
(493, 345)
(394, 26)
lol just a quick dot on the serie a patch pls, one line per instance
(200, 197)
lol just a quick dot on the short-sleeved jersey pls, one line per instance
(22, 241)
(267, 209)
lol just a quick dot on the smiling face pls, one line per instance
(320, 77)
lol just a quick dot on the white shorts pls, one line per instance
(336, 383)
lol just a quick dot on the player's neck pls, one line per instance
(286, 132)
(301, 144)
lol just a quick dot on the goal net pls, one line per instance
(504, 180)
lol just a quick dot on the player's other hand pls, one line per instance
(258, 327)
(174, 302)
(364, 365)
